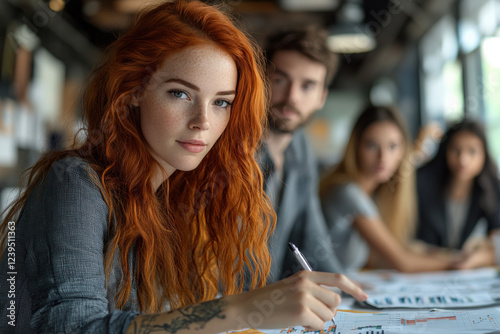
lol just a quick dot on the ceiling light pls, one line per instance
(349, 38)
(56, 5)
(350, 34)
(135, 6)
(309, 5)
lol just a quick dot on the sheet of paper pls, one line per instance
(432, 300)
(435, 322)
(432, 290)
(380, 277)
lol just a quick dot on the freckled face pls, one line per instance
(186, 105)
(465, 155)
(380, 151)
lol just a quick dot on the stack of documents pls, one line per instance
(440, 302)
(429, 322)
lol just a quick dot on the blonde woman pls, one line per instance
(369, 199)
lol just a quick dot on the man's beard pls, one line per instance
(280, 125)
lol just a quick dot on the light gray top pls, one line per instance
(60, 242)
(341, 206)
(456, 214)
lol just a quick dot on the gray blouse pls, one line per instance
(59, 246)
(341, 206)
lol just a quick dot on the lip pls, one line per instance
(287, 112)
(193, 145)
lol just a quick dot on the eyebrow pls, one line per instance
(196, 88)
(283, 73)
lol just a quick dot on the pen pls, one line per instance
(303, 263)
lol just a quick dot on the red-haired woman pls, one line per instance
(161, 207)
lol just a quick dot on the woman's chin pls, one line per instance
(383, 178)
(187, 167)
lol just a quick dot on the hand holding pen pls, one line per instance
(303, 263)
(301, 299)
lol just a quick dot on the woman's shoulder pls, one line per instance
(429, 183)
(347, 189)
(349, 198)
(72, 172)
(71, 166)
(68, 196)
(348, 193)
(70, 178)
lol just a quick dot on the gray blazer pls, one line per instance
(58, 282)
(295, 198)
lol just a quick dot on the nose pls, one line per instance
(200, 119)
(382, 155)
(463, 158)
(292, 93)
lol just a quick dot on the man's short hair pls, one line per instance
(309, 41)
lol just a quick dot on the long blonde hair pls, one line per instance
(395, 199)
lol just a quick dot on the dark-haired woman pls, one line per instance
(459, 189)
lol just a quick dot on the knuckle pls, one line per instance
(340, 278)
(301, 282)
(336, 299)
(303, 274)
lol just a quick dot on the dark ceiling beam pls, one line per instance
(262, 25)
(424, 19)
(6, 11)
(82, 49)
(255, 7)
(56, 33)
(415, 19)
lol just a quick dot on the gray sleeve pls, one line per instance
(348, 201)
(318, 246)
(310, 231)
(67, 219)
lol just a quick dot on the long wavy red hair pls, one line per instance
(198, 233)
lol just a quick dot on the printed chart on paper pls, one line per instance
(475, 321)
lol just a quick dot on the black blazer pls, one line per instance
(432, 227)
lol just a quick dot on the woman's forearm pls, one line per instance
(300, 299)
(209, 317)
(419, 262)
(395, 254)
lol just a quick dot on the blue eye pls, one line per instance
(222, 103)
(178, 93)
(307, 87)
(278, 81)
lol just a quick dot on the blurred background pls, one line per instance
(436, 60)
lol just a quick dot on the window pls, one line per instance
(441, 73)
(490, 60)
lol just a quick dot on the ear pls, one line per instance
(135, 98)
(134, 101)
(323, 98)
